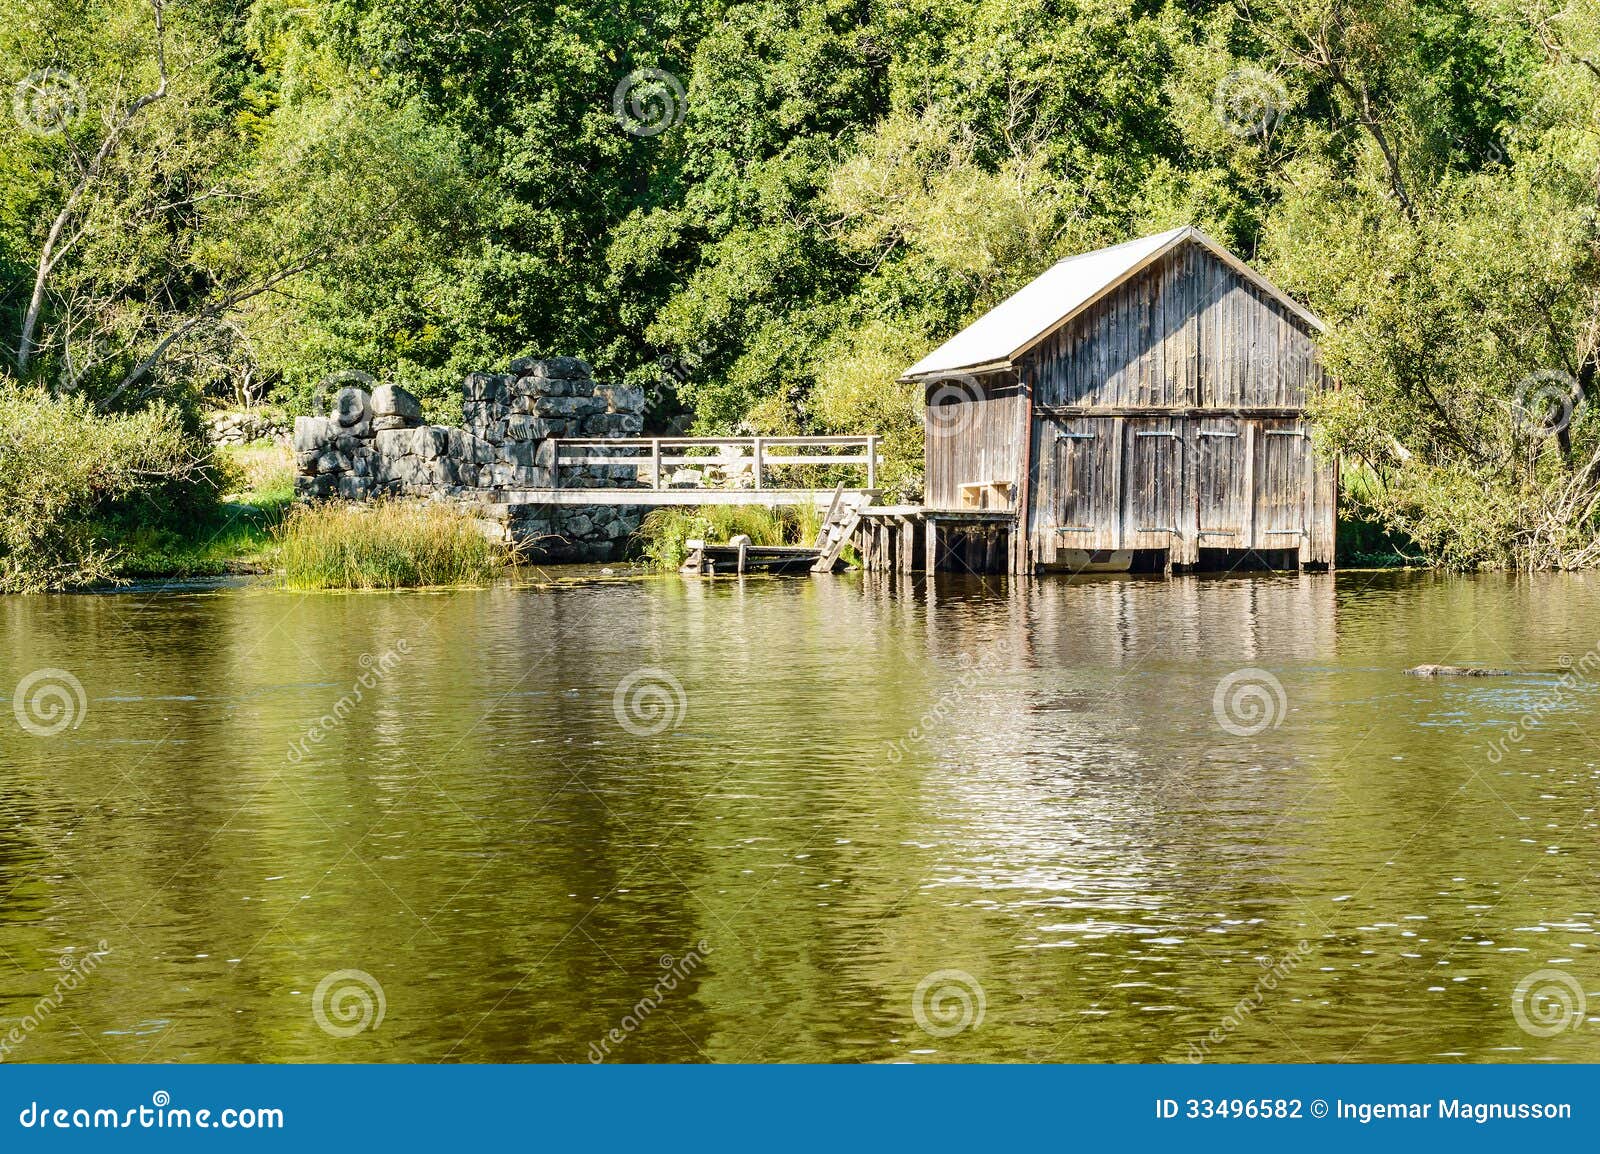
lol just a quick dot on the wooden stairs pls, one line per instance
(844, 514)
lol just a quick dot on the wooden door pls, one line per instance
(1220, 445)
(1280, 471)
(1152, 482)
(1085, 463)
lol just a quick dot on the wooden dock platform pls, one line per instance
(887, 538)
(739, 557)
(913, 538)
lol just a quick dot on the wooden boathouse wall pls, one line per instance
(975, 431)
(1169, 415)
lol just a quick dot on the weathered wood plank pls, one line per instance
(1188, 346)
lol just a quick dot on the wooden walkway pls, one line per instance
(773, 498)
(778, 471)
(687, 471)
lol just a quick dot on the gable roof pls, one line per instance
(1062, 292)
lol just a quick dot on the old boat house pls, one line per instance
(1138, 406)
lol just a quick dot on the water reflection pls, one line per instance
(871, 780)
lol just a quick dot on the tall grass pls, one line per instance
(388, 545)
(663, 533)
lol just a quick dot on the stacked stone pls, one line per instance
(570, 533)
(432, 459)
(488, 416)
(335, 456)
(378, 446)
(242, 426)
(539, 400)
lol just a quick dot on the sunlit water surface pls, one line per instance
(809, 796)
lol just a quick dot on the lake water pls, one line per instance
(814, 819)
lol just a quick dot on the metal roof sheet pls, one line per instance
(1062, 291)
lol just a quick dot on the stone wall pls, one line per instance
(242, 426)
(376, 445)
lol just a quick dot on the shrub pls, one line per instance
(663, 533)
(390, 545)
(64, 467)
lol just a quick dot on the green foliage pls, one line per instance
(231, 535)
(64, 468)
(390, 545)
(663, 533)
(233, 539)
(415, 191)
(1465, 330)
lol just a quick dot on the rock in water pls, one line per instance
(1457, 671)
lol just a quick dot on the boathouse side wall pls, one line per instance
(974, 430)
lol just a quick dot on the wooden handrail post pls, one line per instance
(872, 462)
(655, 463)
(555, 462)
(758, 462)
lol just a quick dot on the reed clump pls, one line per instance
(387, 545)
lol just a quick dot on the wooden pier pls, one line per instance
(914, 539)
(777, 472)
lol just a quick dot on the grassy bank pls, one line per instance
(662, 536)
(232, 535)
(388, 545)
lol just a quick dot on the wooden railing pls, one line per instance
(757, 454)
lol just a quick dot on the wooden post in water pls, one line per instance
(930, 545)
